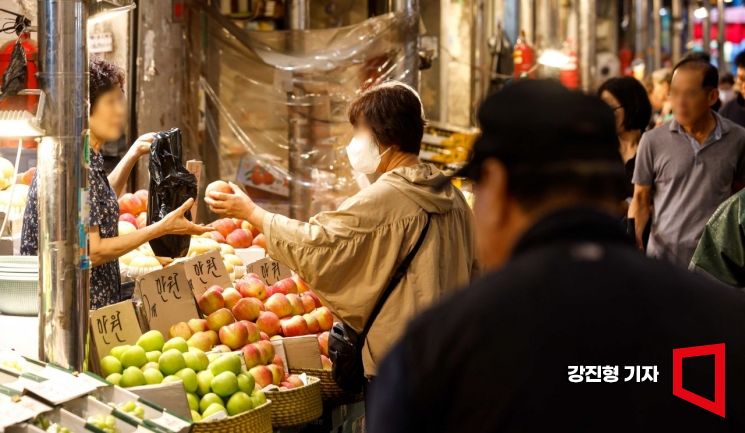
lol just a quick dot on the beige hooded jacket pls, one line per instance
(349, 255)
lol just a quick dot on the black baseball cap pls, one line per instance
(541, 126)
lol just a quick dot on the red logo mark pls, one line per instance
(716, 406)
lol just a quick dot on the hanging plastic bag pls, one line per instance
(14, 78)
(170, 186)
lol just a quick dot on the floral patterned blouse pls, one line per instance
(104, 213)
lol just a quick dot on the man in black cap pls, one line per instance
(571, 328)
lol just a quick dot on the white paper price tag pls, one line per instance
(171, 423)
(60, 390)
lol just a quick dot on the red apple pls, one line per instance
(324, 317)
(219, 186)
(128, 217)
(211, 301)
(326, 362)
(130, 203)
(216, 287)
(27, 177)
(323, 343)
(239, 238)
(285, 286)
(224, 226)
(313, 326)
(201, 340)
(262, 375)
(250, 286)
(277, 373)
(308, 303)
(268, 323)
(279, 305)
(234, 335)
(212, 335)
(260, 241)
(302, 286)
(197, 325)
(220, 318)
(294, 381)
(247, 309)
(294, 326)
(315, 298)
(215, 236)
(143, 195)
(231, 297)
(296, 304)
(253, 331)
(263, 336)
(221, 348)
(278, 361)
(180, 329)
(251, 356)
(142, 220)
(266, 350)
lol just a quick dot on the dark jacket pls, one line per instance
(497, 356)
(734, 110)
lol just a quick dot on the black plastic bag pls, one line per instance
(170, 186)
(14, 78)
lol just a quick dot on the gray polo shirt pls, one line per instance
(689, 181)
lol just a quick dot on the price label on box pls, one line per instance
(205, 271)
(114, 325)
(166, 298)
(60, 390)
(269, 270)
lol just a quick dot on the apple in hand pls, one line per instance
(297, 305)
(220, 318)
(234, 335)
(251, 287)
(279, 305)
(324, 317)
(219, 186)
(231, 297)
(211, 301)
(247, 309)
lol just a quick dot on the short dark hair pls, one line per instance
(701, 62)
(104, 76)
(394, 114)
(727, 78)
(633, 97)
(740, 60)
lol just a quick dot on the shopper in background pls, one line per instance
(686, 167)
(726, 88)
(659, 96)
(107, 115)
(734, 110)
(348, 256)
(568, 299)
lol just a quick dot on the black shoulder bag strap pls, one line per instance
(397, 276)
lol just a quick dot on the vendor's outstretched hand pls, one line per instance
(236, 205)
(175, 223)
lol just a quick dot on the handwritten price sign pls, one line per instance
(114, 325)
(269, 270)
(166, 298)
(205, 271)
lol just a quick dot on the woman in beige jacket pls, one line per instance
(348, 256)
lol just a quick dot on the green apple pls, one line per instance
(114, 378)
(228, 362)
(238, 403)
(212, 409)
(172, 379)
(176, 343)
(149, 365)
(225, 384)
(195, 417)
(110, 364)
(151, 341)
(204, 381)
(190, 379)
(171, 361)
(258, 397)
(246, 382)
(134, 357)
(132, 376)
(209, 399)
(153, 376)
(196, 360)
(193, 401)
(118, 351)
(153, 356)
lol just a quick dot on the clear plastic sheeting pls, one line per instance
(272, 105)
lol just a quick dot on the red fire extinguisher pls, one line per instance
(569, 73)
(523, 56)
(31, 49)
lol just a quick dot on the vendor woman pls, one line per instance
(106, 124)
(349, 256)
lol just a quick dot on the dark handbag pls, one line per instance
(345, 344)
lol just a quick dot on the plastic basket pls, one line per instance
(19, 293)
(330, 391)
(258, 420)
(297, 406)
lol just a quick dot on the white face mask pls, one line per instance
(363, 154)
